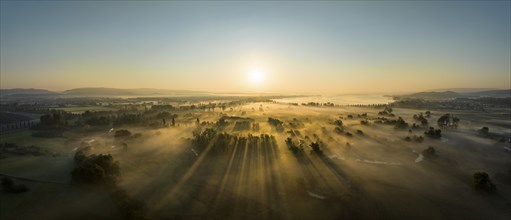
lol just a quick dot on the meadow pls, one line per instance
(239, 163)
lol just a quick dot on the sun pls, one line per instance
(256, 76)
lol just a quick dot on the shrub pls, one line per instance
(315, 148)
(292, 147)
(129, 207)
(429, 152)
(278, 124)
(401, 124)
(122, 133)
(339, 130)
(9, 186)
(433, 133)
(485, 130)
(483, 182)
(7, 183)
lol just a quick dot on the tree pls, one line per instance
(388, 109)
(455, 122)
(339, 130)
(278, 124)
(483, 182)
(448, 120)
(9, 186)
(7, 183)
(122, 133)
(163, 115)
(129, 207)
(338, 123)
(485, 130)
(95, 168)
(315, 147)
(432, 133)
(429, 152)
(444, 120)
(292, 147)
(401, 124)
(420, 118)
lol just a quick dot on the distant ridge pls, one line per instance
(435, 95)
(9, 92)
(461, 90)
(147, 92)
(491, 93)
(501, 93)
(129, 92)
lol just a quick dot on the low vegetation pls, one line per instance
(482, 182)
(9, 186)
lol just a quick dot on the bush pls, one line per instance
(9, 186)
(401, 124)
(432, 133)
(485, 130)
(292, 147)
(122, 133)
(429, 152)
(338, 123)
(315, 147)
(483, 182)
(278, 124)
(7, 183)
(129, 207)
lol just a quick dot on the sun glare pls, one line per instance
(256, 76)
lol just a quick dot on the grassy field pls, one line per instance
(366, 176)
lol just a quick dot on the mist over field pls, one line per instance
(259, 159)
(225, 110)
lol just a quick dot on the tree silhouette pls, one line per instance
(401, 124)
(315, 147)
(483, 182)
(485, 130)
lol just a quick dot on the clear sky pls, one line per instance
(318, 47)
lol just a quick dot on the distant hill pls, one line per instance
(501, 93)
(94, 92)
(13, 92)
(461, 90)
(432, 95)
